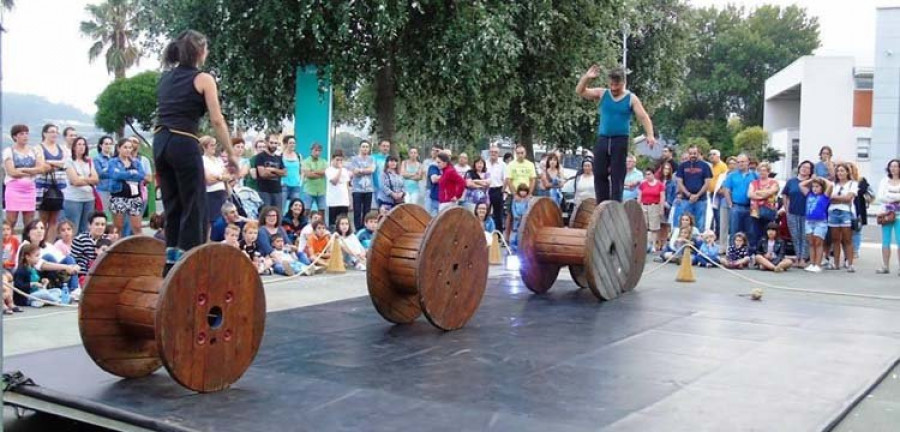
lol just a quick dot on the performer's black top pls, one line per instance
(179, 105)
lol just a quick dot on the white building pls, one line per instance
(819, 101)
(886, 101)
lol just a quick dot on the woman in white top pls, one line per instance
(79, 196)
(337, 187)
(216, 177)
(889, 196)
(584, 182)
(840, 216)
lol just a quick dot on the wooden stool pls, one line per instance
(601, 256)
(438, 266)
(204, 322)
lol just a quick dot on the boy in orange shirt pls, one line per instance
(10, 247)
(317, 242)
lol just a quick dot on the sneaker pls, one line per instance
(810, 268)
(828, 266)
(7, 312)
(288, 270)
(17, 309)
(778, 269)
(319, 269)
(360, 266)
(850, 269)
(76, 295)
(882, 270)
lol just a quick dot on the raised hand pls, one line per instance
(593, 72)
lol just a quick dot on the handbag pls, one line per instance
(53, 198)
(887, 218)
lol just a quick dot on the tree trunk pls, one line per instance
(385, 89)
(526, 138)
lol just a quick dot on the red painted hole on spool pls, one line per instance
(201, 338)
(201, 299)
(229, 296)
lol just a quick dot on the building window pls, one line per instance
(862, 148)
(795, 154)
(864, 82)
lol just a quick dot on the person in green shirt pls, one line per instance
(313, 170)
(520, 171)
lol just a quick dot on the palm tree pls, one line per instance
(113, 26)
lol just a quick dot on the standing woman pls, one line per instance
(795, 207)
(840, 215)
(552, 178)
(54, 176)
(101, 163)
(216, 178)
(763, 194)
(82, 176)
(584, 182)
(184, 95)
(22, 164)
(889, 196)
(291, 185)
(125, 192)
(667, 174)
(477, 183)
(392, 191)
(413, 173)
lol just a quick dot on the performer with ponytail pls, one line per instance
(184, 95)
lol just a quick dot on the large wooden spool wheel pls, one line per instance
(204, 322)
(605, 249)
(580, 219)
(438, 266)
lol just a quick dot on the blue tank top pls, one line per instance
(614, 118)
(292, 167)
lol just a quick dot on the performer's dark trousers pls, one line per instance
(179, 166)
(609, 167)
(495, 194)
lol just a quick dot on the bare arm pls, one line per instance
(73, 177)
(206, 85)
(644, 118)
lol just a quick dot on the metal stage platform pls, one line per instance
(668, 358)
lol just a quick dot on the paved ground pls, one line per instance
(880, 410)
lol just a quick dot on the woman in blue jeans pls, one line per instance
(54, 264)
(840, 216)
(79, 196)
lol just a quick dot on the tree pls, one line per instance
(701, 143)
(751, 141)
(114, 26)
(128, 100)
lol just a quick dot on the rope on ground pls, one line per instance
(308, 270)
(770, 285)
(51, 303)
(503, 242)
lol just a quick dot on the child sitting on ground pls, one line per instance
(365, 235)
(26, 278)
(770, 251)
(112, 233)
(519, 207)
(232, 233)
(250, 248)
(709, 248)
(354, 252)
(738, 256)
(284, 262)
(102, 246)
(481, 211)
(317, 244)
(686, 234)
(8, 305)
(10, 246)
(66, 232)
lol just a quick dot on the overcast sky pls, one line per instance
(44, 53)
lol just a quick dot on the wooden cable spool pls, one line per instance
(204, 322)
(602, 255)
(438, 266)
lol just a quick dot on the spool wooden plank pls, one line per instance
(212, 290)
(639, 241)
(453, 268)
(580, 220)
(111, 347)
(395, 306)
(537, 276)
(609, 250)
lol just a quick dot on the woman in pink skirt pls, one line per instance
(22, 164)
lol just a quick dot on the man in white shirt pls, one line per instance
(497, 171)
(462, 164)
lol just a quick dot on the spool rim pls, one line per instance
(537, 276)
(393, 305)
(607, 281)
(111, 347)
(212, 314)
(585, 206)
(462, 269)
(639, 238)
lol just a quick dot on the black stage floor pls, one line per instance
(660, 359)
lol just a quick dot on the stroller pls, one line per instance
(246, 200)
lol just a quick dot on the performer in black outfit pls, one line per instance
(184, 95)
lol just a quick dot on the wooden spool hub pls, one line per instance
(204, 322)
(605, 248)
(438, 266)
(580, 219)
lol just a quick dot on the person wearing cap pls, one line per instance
(614, 110)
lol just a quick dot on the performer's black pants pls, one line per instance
(495, 194)
(609, 167)
(179, 167)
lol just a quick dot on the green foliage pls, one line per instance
(770, 154)
(753, 141)
(129, 98)
(114, 25)
(701, 143)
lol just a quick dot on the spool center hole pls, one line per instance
(455, 267)
(215, 317)
(612, 248)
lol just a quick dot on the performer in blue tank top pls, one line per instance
(613, 128)
(184, 95)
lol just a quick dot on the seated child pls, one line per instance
(709, 248)
(738, 256)
(66, 230)
(27, 279)
(232, 233)
(284, 262)
(519, 207)
(770, 251)
(158, 225)
(685, 234)
(250, 248)
(365, 235)
(354, 252)
(317, 244)
(10, 246)
(8, 305)
(112, 233)
(102, 246)
(481, 211)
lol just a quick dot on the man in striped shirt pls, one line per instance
(84, 245)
